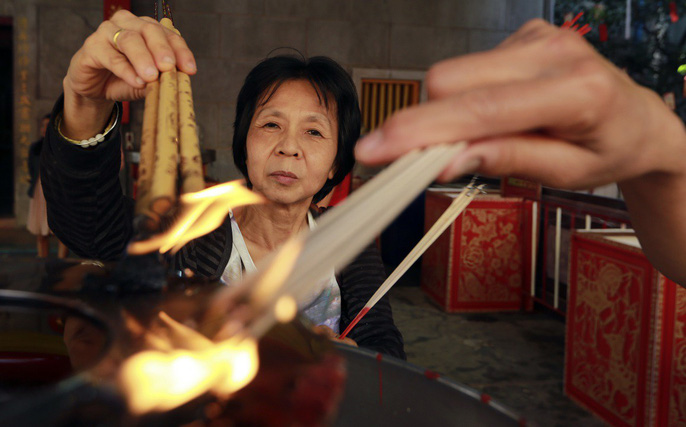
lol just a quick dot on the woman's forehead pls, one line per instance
(300, 94)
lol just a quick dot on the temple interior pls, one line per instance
(532, 305)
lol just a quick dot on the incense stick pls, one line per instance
(343, 232)
(169, 137)
(444, 221)
(147, 150)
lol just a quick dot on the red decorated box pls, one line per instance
(625, 334)
(481, 262)
(671, 384)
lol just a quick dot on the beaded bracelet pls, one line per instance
(90, 142)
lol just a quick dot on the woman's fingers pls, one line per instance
(166, 47)
(532, 30)
(347, 341)
(136, 52)
(536, 157)
(155, 36)
(330, 334)
(563, 105)
(99, 52)
(540, 51)
(543, 105)
(184, 57)
(325, 331)
(143, 48)
(121, 90)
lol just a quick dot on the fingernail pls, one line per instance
(458, 168)
(139, 81)
(369, 143)
(169, 60)
(472, 164)
(151, 71)
(191, 66)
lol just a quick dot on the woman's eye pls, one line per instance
(314, 132)
(271, 125)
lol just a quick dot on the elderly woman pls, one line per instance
(297, 122)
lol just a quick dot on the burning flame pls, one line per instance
(265, 299)
(154, 380)
(200, 213)
(181, 364)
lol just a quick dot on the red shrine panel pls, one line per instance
(608, 329)
(436, 261)
(672, 378)
(479, 263)
(626, 336)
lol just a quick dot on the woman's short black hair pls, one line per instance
(332, 84)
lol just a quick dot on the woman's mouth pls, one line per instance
(284, 177)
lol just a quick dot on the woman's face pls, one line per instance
(291, 144)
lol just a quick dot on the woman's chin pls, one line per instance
(287, 198)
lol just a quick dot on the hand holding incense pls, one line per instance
(169, 142)
(454, 210)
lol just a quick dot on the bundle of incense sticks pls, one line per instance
(456, 207)
(169, 137)
(574, 27)
(340, 235)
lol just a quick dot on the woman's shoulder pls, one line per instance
(208, 255)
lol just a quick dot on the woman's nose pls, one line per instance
(289, 147)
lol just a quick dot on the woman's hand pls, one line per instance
(101, 72)
(330, 334)
(543, 105)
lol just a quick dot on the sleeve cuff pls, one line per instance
(74, 156)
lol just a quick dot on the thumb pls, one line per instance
(119, 90)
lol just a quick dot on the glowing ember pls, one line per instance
(242, 361)
(263, 292)
(158, 381)
(199, 213)
(286, 308)
(182, 336)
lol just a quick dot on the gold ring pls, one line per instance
(115, 37)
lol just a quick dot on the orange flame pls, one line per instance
(200, 213)
(155, 380)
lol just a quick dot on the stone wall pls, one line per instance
(230, 36)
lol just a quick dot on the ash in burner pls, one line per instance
(136, 274)
(44, 340)
(300, 383)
